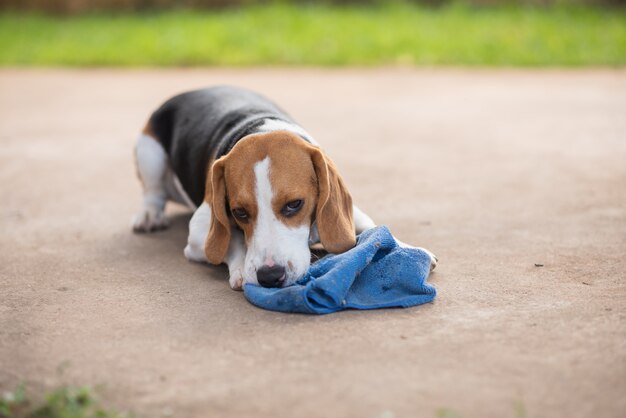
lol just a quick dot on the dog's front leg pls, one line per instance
(433, 258)
(236, 258)
(362, 222)
(198, 231)
(194, 251)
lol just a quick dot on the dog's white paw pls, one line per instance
(236, 280)
(194, 252)
(433, 261)
(150, 219)
(433, 258)
(235, 273)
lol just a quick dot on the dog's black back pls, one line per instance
(200, 126)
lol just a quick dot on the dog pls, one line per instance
(261, 188)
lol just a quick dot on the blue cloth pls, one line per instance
(376, 273)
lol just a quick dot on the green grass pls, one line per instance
(79, 402)
(320, 36)
(63, 402)
(69, 402)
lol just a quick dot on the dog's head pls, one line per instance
(274, 187)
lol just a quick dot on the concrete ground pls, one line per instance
(515, 179)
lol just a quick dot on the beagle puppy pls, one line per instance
(261, 188)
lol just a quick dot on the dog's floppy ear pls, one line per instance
(334, 206)
(216, 244)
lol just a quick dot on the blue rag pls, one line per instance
(376, 273)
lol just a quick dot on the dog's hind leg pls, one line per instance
(152, 166)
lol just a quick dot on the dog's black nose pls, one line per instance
(270, 276)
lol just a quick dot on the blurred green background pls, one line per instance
(329, 33)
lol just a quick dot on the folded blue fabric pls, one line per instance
(376, 273)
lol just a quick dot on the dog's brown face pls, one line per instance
(274, 186)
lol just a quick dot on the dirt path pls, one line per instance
(495, 172)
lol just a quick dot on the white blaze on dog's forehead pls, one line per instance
(272, 241)
(264, 194)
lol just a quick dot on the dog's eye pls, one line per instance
(292, 207)
(240, 214)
